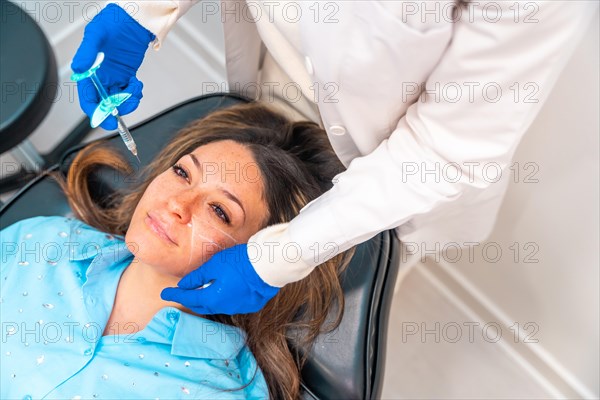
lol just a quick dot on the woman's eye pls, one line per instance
(221, 214)
(179, 171)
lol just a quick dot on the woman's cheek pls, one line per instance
(200, 254)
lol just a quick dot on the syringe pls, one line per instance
(108, 105)
(123, 131)
(126, 135)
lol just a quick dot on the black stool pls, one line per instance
(29, 80)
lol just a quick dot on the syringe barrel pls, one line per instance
(125, 134)
(123, 131)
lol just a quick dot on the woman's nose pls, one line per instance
(181, 204)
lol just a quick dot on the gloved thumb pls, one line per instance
(195, 278)
(188, 298)
(109, 124)
(87, 52)
(135, 87)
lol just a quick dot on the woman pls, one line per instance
(116, 337)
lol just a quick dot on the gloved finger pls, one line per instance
(131, 104)
(190, 298)
(87, 52)
(109, 124)
(194, 279)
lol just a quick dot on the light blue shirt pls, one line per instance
(58, 283)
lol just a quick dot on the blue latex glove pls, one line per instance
(237, 288)
(124, 42)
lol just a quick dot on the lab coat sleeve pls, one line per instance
(157, 16)
(379, 191)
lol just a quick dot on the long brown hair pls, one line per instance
(297, 164)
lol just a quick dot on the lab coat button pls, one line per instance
(308, 65)
(337, 130)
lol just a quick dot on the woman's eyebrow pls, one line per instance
(235, 199)
(196, 162)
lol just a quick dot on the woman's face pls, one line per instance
(211, 199)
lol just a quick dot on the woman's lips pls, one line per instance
(158, 228)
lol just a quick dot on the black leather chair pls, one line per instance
(344, 364)
(29, 81)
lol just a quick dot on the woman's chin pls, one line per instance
(147, 246)
(161, 257)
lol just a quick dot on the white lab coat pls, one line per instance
(493, 70)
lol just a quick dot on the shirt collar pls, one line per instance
(192, 336)
(86, 242)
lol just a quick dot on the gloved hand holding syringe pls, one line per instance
(108, 105)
